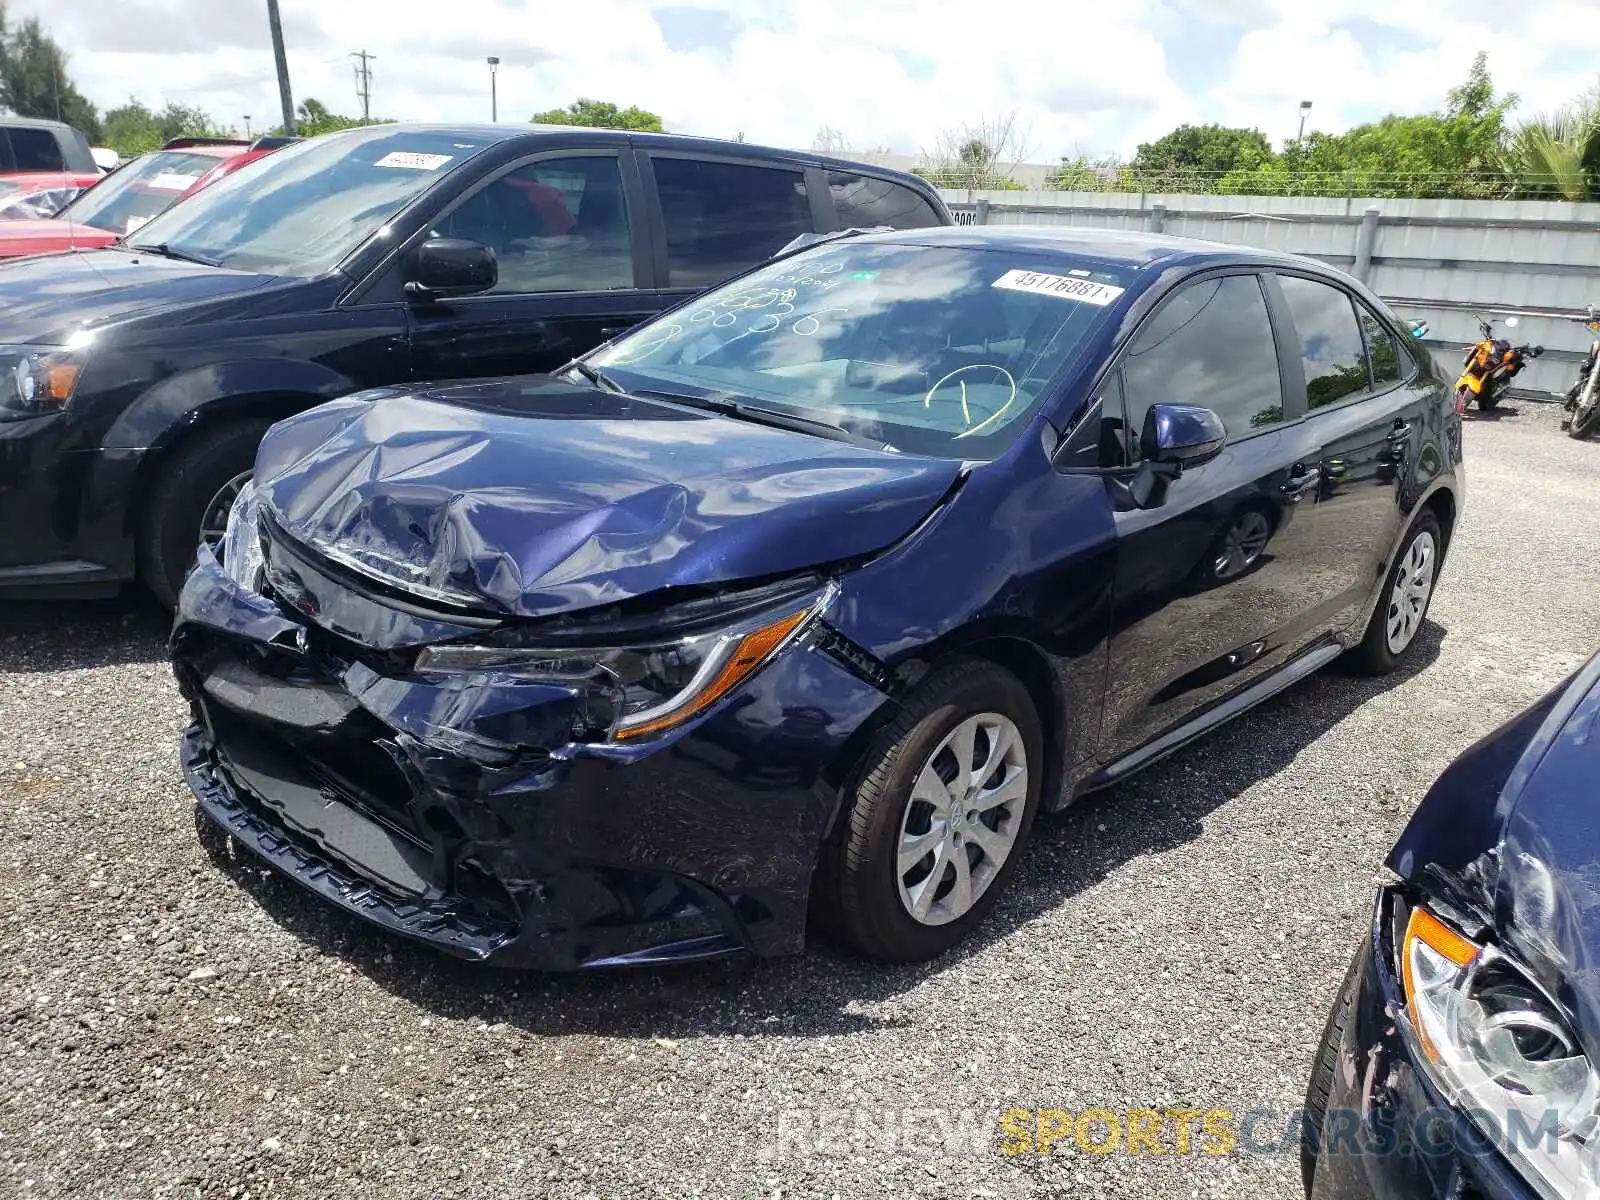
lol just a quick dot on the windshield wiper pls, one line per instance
(596, 376)
(167, 250)
(756, 414)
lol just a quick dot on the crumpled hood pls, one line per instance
(45, 299)
(1537, 871)
(532, 496)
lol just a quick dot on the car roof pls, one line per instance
(9, 122)
(1114, 247)
(649, 141)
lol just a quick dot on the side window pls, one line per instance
(723, 217)
(1381, 351)
(36, 150)
(559, 225)
(1210, 344)
(863, 202)
(1331, 348)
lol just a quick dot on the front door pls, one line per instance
(1213, 586)
(568, 234)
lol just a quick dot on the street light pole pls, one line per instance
(494, 99)
(285, 97)
(1305, 109)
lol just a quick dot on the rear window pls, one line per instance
(122, 202)
(36, 150)
(863, 202)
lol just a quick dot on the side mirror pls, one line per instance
(1419, 329)
(1180, 435)
(442, 267)
(1175, 436)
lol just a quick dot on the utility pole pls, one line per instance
(364, 83)
(1305, 111)
(285, 96)
(494, 98)
(247, 127)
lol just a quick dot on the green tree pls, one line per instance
(133, 128)
(313, 117)
(1558, 155)
(1194, 157)
(601, 114)
(1454, 153)
(34, 81)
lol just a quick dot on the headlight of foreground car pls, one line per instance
(242, 556)
(35, 380)
(1498, 1046)
(650, 686)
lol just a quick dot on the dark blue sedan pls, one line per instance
(1459, 1058)
(807, 595)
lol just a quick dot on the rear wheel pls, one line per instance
(1586, 408)
(1404, 604)
(190, 502)
(934, 829)
(1488, 399)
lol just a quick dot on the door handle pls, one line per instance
(1301, 480)
(1401, 432)
(610, 331)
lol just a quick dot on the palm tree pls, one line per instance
(1557, 155)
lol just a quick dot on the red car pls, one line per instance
(26, 195)
(128, 197)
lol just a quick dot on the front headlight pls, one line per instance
(35, 380)
(647, 685)
(242, 557)
(1502, 1050)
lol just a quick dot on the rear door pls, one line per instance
(569, 233)
(1367, 411)
(1212, 586)
(720, 215)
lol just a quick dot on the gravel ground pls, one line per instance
(175, 1023)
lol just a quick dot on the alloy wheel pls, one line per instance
(1408, 596)
(962, 819)
(214, 520)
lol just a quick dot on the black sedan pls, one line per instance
(1459, 1056)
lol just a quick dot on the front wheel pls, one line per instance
(1489, 398)
(1586, 408)
(933, 831)
(190, 502)
(1404, 604)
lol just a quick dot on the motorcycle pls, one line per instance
(1490, 365)
(1583, 401)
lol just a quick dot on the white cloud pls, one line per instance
(1094, 75)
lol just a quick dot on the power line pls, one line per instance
(364, 81)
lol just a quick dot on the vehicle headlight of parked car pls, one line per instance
(639, 689)
(35, 380)
(1495, 1044)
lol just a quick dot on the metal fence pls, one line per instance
(1441, 260)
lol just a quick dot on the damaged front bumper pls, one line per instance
(1388, 1132)
(455, 813)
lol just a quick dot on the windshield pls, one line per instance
(125, 200)
(933, 350)
(302, 209)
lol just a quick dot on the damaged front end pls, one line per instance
(1473, 1041)
(622, 785)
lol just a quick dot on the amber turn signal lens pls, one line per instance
(753, 650)
(1429, 931)
(60, 380)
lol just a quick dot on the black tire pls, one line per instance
(1488, 399)
(1373, 656)
(1586, 423)
(169, 528)
(857, 889)
(1320, 1086)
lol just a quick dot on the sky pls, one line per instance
(1080, 76)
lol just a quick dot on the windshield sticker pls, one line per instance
(171, 181)
(414, 162)
(1085, 291)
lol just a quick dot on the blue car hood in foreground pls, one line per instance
(532, 496)
(1514, 827)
